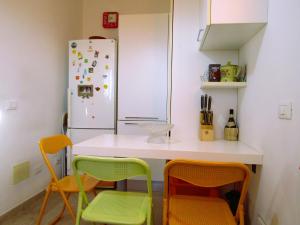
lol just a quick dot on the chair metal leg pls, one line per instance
(60, 215)
(44, 204)
(68, 205)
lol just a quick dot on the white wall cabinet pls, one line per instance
(228, 25)
(143, 67)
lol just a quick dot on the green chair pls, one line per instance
(113, 207)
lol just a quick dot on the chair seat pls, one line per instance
(195, 210)
(68, 184)
(115, 207)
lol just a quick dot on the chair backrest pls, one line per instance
(112, 169)
(52, 145)
(208, 174)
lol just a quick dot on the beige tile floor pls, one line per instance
(26, 214)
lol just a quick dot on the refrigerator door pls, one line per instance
(142, 71)
(79, 135)
(133, 127)
(92, 78)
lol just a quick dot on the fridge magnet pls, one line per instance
(97, 89)
(96, 54)
(104, 76)
(86, 60)
(85, 72)
(74, 51)
(93, 117)
(85, 91)
(88, 79)
(74, 45)
(77, 77)
(90, 49)
(107, 56)
(94, 64)
(91, 70)
(106, 67)
(110, 20)
(105, 86)
(79, 55)
(81, 82)
(74, 63)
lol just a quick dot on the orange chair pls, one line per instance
(203, 210)
(66, 185)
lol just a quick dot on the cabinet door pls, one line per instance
(143, 61)
(239, 11)
(204, 18)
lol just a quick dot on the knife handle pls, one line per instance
(209, 103)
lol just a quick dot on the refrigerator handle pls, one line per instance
(69, 107)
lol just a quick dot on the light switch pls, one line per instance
(11, 105)
(285, 111)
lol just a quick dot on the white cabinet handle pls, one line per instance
(141, 118)
(132, 124)
(200, 31)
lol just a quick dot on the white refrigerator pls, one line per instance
(92, 90)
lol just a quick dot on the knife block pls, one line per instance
(207, 133)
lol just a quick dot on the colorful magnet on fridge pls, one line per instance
(74, 51)
(107, 56)
(77, 77)
(74, 63)
(79, 55)
(86, 60)
(106, 67)
(74, 45)
(81, 82)
(94, 64)
(105, 86)
(88, 79)
(96, 54)
(91, 70)
(90, 49)
(97, 89)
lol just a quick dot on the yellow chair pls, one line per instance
(66, 185)
(203, 210)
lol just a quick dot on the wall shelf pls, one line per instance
(214, 85)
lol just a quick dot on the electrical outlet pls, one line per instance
(260, 221)
(285, 111)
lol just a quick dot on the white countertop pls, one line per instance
(137, 146)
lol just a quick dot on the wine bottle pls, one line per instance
(231, 122)
(231, 131)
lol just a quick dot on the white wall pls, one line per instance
(273, 77)
(93, 10)
(33, 53)
(188, 65)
